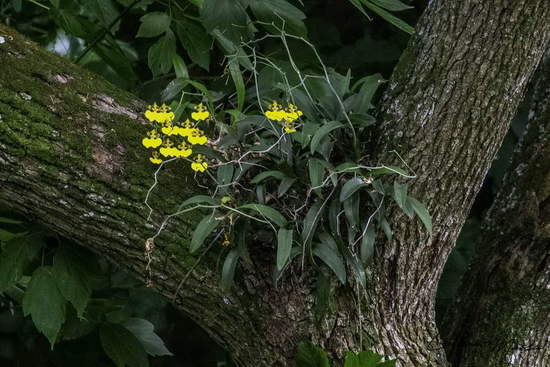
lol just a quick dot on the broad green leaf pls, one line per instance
(154, 24)
(228, 269)
(266, 174)
(238, 80)
(285, 185)
(422, 213)
(330, 256)
(6, 235)
(316, 173)
(392, 5)
(322, 132)
(144, 331)
(71, 278)
(351, 187)
(367, 244)
(352, 360)
(174, 87)
(369, 359)
(225, 177)
(268, 212)
(363, 99)
(195, 41)
(200, 199)
(203, 230)
(122, 347)
(279, 14)
(180, 68)
(102, 10)
(351, 210)
(311, 221)
(17, 254)
(310, 355)
(228, 16)
(284, 245)
(389, 17)
(400, 193)
(44, 303)
(161, 54)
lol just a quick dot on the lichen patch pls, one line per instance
(107, 104)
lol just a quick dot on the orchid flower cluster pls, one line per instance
(175, 139)
(287, 116)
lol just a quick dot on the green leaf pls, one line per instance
(388, 170)
(203, 230)
(422, 213)
(102, 10)
(311, 221)
(232, 50)
(333, 212)
(357, 267)
(285, 185)
(228, 269)
(284, 245)
(9, 221)
(316, 172)
(200, 199)
(279, 14)
(195, 41)
(392, 5)
(322, 132)
(310, 355)
(386, 228)
(144, 331)
(122, 347)
(154, 24)
(367, 244)
(174, 87)
(352, 360)
(228, 16)
(71, 277)
(161, 54)
(44, 303)
(389, 18)
(369, 359)
(180, 68)
(238, 80)
(225, 176)
(363, 99)
(326, 250)
(267, 212)
(400, 193)
(17, 254)
(263, 175)
(351, 187)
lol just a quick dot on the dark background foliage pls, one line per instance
(101, 36)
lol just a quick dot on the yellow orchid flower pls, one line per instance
(153, 140)
(183, 151)
(160, 114)
(292, 113)
(201, 114)
(155, 158)
(186, 129)
(197, 137)
(275, 112)
(167, 150)
(289, 127)
(199, 165)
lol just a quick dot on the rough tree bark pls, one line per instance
(70, 157)
(505, 298)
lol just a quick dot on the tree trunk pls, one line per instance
(70, 157)
(505, 300)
